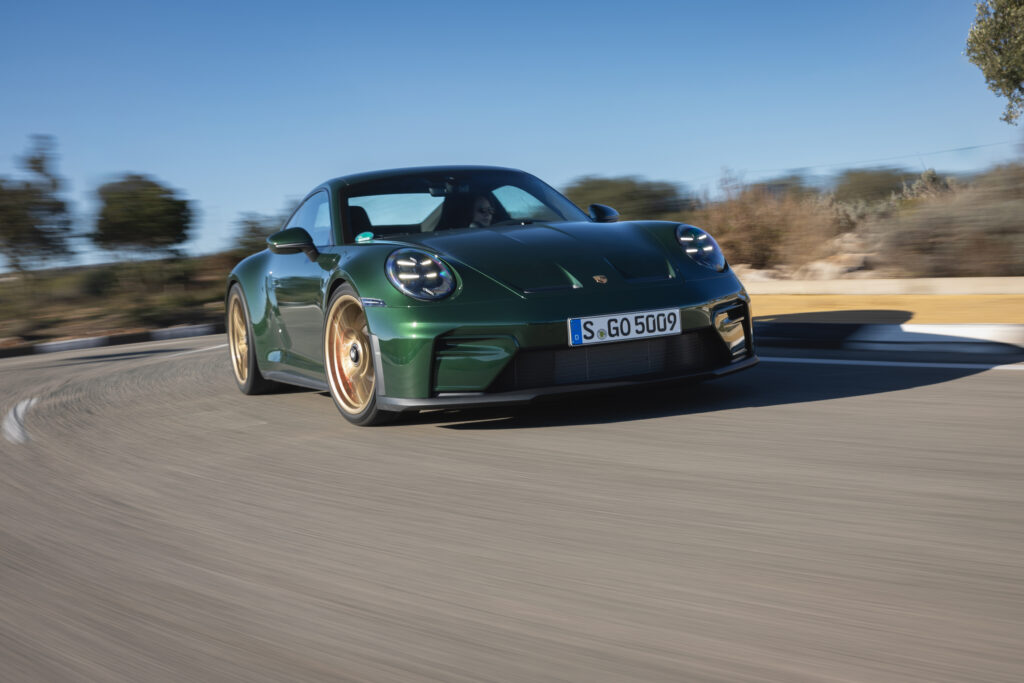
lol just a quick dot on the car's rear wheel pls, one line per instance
(348, 359)
(242, 350)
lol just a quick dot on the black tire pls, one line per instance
(348, 360)
(241, 349)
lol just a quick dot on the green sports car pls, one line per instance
(458, 286)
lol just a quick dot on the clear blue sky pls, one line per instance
(242, 106)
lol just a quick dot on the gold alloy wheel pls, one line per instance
(238, 335)
(348, 355)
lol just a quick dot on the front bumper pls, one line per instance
(431, 357)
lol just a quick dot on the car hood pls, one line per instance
(543, 257)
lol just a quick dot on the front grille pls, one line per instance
(680, 354)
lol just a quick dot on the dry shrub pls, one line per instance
(934, 228)
(974, 230)
(766, 229)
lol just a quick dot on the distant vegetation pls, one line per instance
(254, 228)
(884, 222)
(86, 301)
(632, 197)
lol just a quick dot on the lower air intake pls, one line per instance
(690, 352)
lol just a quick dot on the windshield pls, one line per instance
(427, 202)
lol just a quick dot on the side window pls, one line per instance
(296, 220)
(315, 216)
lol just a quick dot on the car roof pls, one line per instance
(359, 178)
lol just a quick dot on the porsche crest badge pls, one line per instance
(601, 279)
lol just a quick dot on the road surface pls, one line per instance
(797, 522)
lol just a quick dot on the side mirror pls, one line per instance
(292, 241)
(603, 214)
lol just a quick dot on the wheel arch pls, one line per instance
(231, 282)
(338, 280)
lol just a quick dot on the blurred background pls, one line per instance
(145, 149)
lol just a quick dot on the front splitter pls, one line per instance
(508, 398)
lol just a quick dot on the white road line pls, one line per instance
(185, 353)
(892, 364)
(14, 423)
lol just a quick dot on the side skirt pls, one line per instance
(299, 380)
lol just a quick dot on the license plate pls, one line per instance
(601, 329)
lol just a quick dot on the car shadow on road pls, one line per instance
(785, 376)
(822, 329)
(861, 316)
(769, 384)
(882, 330)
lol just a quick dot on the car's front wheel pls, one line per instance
(348, 359)
(242, 348)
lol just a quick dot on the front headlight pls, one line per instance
(701, 247)
(419, 275)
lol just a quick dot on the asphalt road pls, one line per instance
(798, 522)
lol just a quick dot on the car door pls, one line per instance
(298, 284)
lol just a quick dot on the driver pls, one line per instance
(483, 212)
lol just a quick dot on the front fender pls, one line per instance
(251, 276)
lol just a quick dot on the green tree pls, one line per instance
(35, 225)
(996, 46)
(632, 197)
(140, 214)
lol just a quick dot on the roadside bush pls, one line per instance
(939, 227)
(98, 282)
(167, 309)
(179, 273)
(975, 231)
